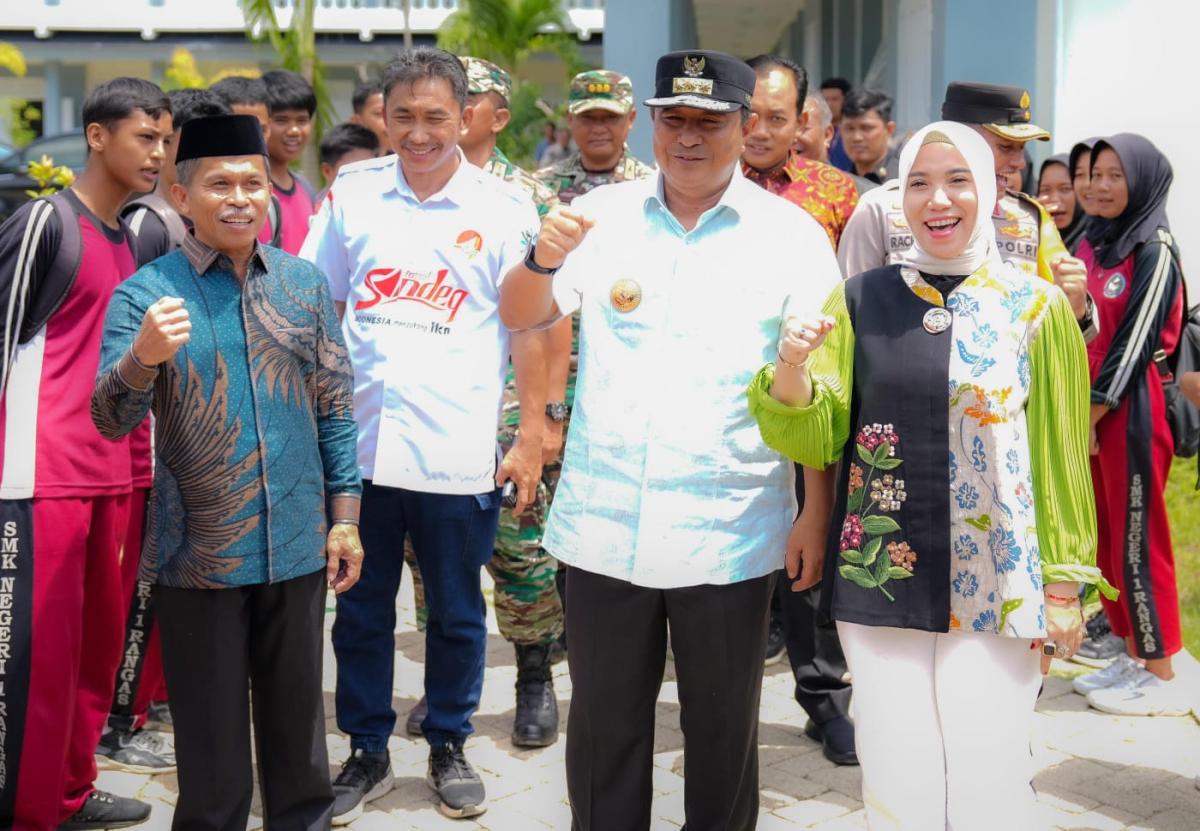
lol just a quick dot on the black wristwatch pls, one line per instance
(556, 411)
(531, 263)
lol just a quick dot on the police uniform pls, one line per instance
(878, 234)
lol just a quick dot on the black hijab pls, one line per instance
(1094, 227)
(1073, 233)
(1148, 176)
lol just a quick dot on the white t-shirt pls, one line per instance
(421, 284)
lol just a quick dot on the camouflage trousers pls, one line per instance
(526, 599)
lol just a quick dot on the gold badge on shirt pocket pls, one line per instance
(626, 295)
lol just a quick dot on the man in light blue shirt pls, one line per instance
(670, 510)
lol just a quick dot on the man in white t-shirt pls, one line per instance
(415, 246)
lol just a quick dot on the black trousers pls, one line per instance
(616, 650)
(814, 651)
(219, 646)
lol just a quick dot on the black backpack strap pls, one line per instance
(171, 219)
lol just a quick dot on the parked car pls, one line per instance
(69, 149)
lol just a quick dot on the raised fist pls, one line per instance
(1070, 274)
(165, 327)
(561, 233)
(800, 338)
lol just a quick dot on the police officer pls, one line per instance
(526, 598)
(1026, 236)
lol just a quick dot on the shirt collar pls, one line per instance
(734, 198)
(456, 190)
(203, 256)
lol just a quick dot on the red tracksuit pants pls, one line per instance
(140, 675)
(1134, 552)
(66, 643)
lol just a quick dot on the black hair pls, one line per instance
(238, 89)
(190, 104)
(836, 83)
(287, 90)
(363, 92)
(762, 64)
(108, 103)
(346, 137)
(425, 62)
(862, 100)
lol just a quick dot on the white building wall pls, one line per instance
(1132, 66)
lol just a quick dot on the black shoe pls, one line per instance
(412, 724)
(558, 650)
(106, 810)
(536, 720)
(364, 777)
(776, 645)
(837, 739)
(456, 782)
(1100, 646)
(160, 713)
(140, 751)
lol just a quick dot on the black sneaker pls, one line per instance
(1100, 646)
(159, 713)
(140, 751)
(106, 810)
(412, 724)
(456, 782)
(776, 645)
(364, 777)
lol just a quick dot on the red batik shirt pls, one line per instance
(827, 194)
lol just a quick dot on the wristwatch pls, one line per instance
(531, 263)
(556, 411)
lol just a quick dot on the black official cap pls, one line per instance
(706, 80)
(221, 135)
(1003, 110)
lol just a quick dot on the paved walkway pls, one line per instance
(1096, 771)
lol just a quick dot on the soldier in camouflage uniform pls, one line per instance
(526, 598)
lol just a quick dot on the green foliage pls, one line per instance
(1183, 508)
(22, 114)
(520, 138)
(12, 59)
(50, 177)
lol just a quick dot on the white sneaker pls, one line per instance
(1115, 673)
(1144, 694)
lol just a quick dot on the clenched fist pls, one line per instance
(165, 327)
(800, 338)
(1070, 274)
(561, 233)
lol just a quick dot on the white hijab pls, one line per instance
(982, 246)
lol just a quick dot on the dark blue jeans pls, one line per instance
(452, 536)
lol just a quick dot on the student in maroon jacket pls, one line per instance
(64, 489)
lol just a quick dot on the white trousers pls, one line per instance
(942, 728)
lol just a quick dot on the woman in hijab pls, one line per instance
(1080, 163)
(953, 390)
(1135, 280)
(1056, 191)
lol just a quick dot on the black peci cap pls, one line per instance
(221, 135)
(706, 80)
(1003, 110)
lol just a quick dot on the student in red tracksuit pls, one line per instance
(1135, 279)
(64, 489)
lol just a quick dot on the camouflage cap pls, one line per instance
(600, 89)
(485, 76)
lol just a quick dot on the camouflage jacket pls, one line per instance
(544, 198)
(569, 179)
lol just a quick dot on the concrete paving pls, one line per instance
(1095, 771)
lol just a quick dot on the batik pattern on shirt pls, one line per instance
(825, 193)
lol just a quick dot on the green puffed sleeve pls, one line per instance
(814, 435)
(1057, 416)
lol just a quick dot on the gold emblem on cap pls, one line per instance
(626, 295)
(1025, 100)
(703, 86)
(693, 67)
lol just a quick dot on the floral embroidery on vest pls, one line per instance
(864, 528)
